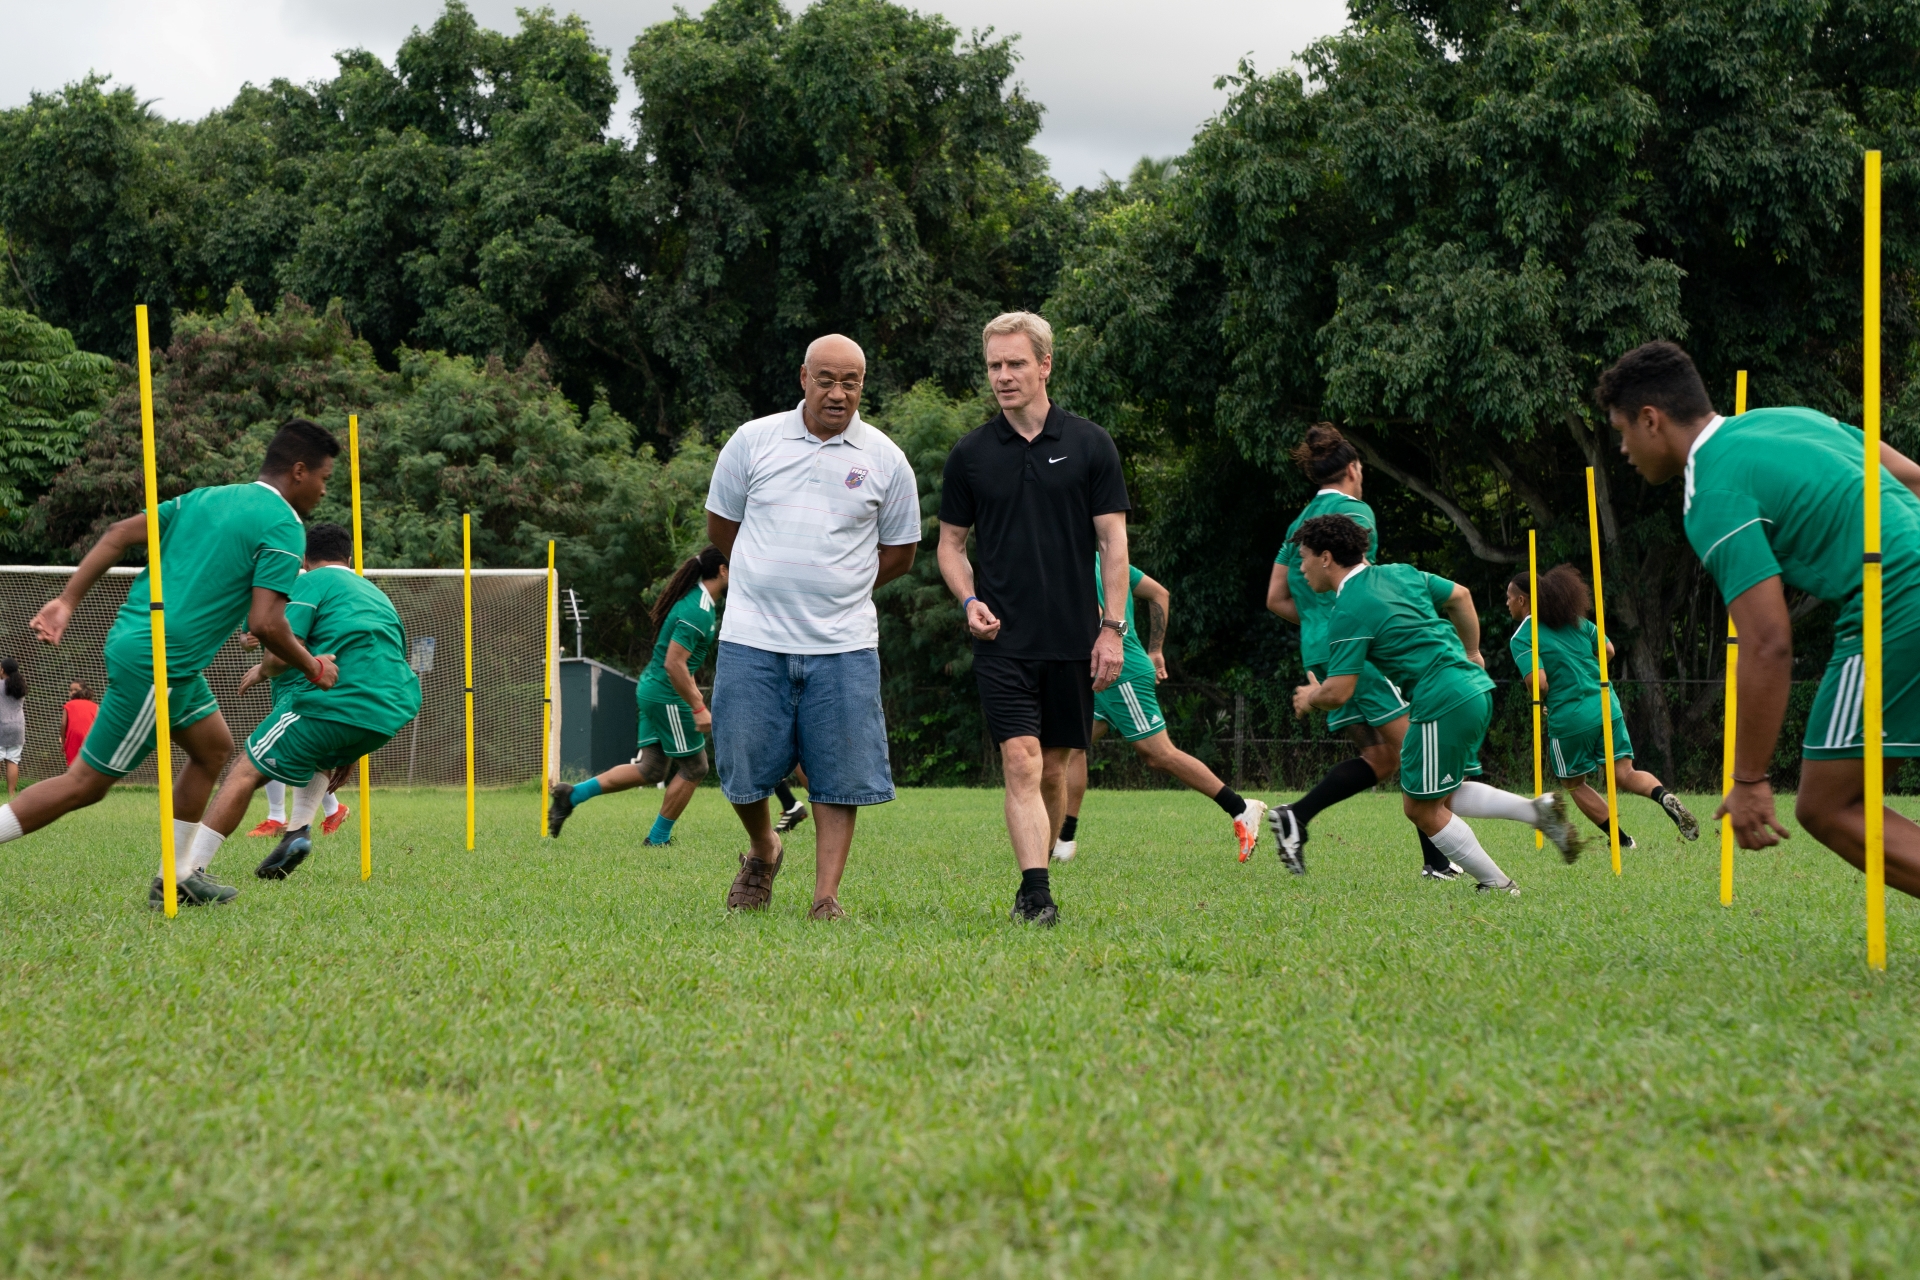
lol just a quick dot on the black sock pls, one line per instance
(1659, 794)
(785, 793)
(1229, 799)
(1605, 830)
(1345, 780)
(1034, 888)
(1431, 852)
(1069, 825)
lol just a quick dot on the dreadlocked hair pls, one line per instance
(1324, 454)
(696, 570)
(1564, 597)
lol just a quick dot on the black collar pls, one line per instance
(1049, 430)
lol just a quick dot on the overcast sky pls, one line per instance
(1119, 78)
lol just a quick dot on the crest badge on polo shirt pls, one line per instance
(856, 477)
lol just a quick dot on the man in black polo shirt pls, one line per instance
(1042, 491)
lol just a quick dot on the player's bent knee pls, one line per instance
(652, 765)
(693, 768)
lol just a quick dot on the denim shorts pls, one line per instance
(820, 710)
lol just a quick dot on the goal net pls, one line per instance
(510, 636)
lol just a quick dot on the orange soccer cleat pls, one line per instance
(271, 827)
(331, 825)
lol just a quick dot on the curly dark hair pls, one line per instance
(1324, 454)
(1344, 538)
(1660, 374)
(1564, 596)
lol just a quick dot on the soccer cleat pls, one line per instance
(333, 822)
(1246, 827)
(1550, 816)
(790, 818)
(197, 890)
(292, 850)
(1063, 850)
(1291, 835)
(271, 827)
(1452, 872)
(752, 888)
(827, 909)
(1688, 824)
(656, 844)
(1043, 915)
(1511, 889)
(559, 808)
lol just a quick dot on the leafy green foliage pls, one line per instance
(51, 393)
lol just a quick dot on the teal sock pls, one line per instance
(585, 791)
(662, 829)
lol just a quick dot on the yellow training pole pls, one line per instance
(546, 710)
(1533, 629)
(466, 591)
(1732, 712)
(1606, 688)
(360, 567)
(162, 725)
(1870, 719)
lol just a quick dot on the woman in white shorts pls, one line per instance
(13, 721)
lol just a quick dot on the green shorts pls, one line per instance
(1442, 753)
(1834, 727)
(1131, 708)
(289, 747)
(1575, 755)
(669, 726)
(1376, 701)
(122, 734)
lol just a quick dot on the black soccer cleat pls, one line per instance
(1290, 834)
(288, 854)
(559, 808)
(790, 818)
(1043, 915)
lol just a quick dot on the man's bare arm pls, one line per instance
(1158, 601)
(721, 532)
(957, 572)
(1903, 468)
(1280, 600)
(50, 624)
(1466, 620)
(267, 620)
(1111, 532)
(1766, 667)
(894, 561)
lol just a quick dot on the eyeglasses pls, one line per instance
(850, 385)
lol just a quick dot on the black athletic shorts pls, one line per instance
(1048, 699)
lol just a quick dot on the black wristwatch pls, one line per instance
(1115, 624)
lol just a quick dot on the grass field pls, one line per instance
(565, 1058)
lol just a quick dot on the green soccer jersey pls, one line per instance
(1571, 656)
(1778, 491)
(1386, 614)
(1314, 607)
(335, 610)
(1134, 662)
(216, 545)
(691, 624)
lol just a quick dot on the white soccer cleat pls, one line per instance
(1246, 827)
(1063, 850)
(1550, 816)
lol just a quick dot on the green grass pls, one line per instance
(565, 1059)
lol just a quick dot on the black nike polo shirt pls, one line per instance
(1031, 508)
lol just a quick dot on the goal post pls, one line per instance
(510, 649)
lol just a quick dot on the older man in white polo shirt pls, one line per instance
(814, 509)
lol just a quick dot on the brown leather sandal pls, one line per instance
(827, 909)
(753, 887)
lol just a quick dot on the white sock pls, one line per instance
(1478, 800)
(184, 834)
(1457, 841)
(276, 800)
(205, 846)
(306, 802)
(9, 825)
(331, 805)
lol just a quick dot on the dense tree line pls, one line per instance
(1436, 237)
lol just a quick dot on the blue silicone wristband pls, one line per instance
(969, 600)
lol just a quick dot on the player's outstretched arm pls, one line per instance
(267, 620)
(1465, 617)
(1766, 670)
(51, 622)
(1902, 468)
(1158, 601)
(957, 571)
(1280, 600)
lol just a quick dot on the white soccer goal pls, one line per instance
(509, 644)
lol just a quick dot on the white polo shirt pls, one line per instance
(813, 516)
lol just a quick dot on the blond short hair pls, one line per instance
(1038, 331)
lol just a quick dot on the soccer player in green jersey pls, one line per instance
(1772, 502)
(674, 719)
(1374, 719)
(230, 555)
(1131, 708)
(1389, 615)
(313, 735)
(1570, 682)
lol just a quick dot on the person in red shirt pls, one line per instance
(76, 718)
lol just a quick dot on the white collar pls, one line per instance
(283, 497)
(1342, 492)
(344, 567)
(1704, 436)
(854, 435)
(1522, 627)
(706, 598)
(1359, 569)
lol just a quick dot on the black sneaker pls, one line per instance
(1452, 871)
(292, 850)
(1290, 834)
(559, 808)
(1043, 915)
(197, 890)
(791, 818)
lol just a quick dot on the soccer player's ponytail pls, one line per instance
(696, 570)
(1564, 597)
(1324, 454)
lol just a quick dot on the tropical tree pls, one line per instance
(51, 393)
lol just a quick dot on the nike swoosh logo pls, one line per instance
(1061, 458)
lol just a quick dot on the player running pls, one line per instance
(313, 736)
(1570, 683)
(231, 554)
(1386, 614)
(1374, 719)
(674, 719)
(1130, 707)
(1772, 501)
